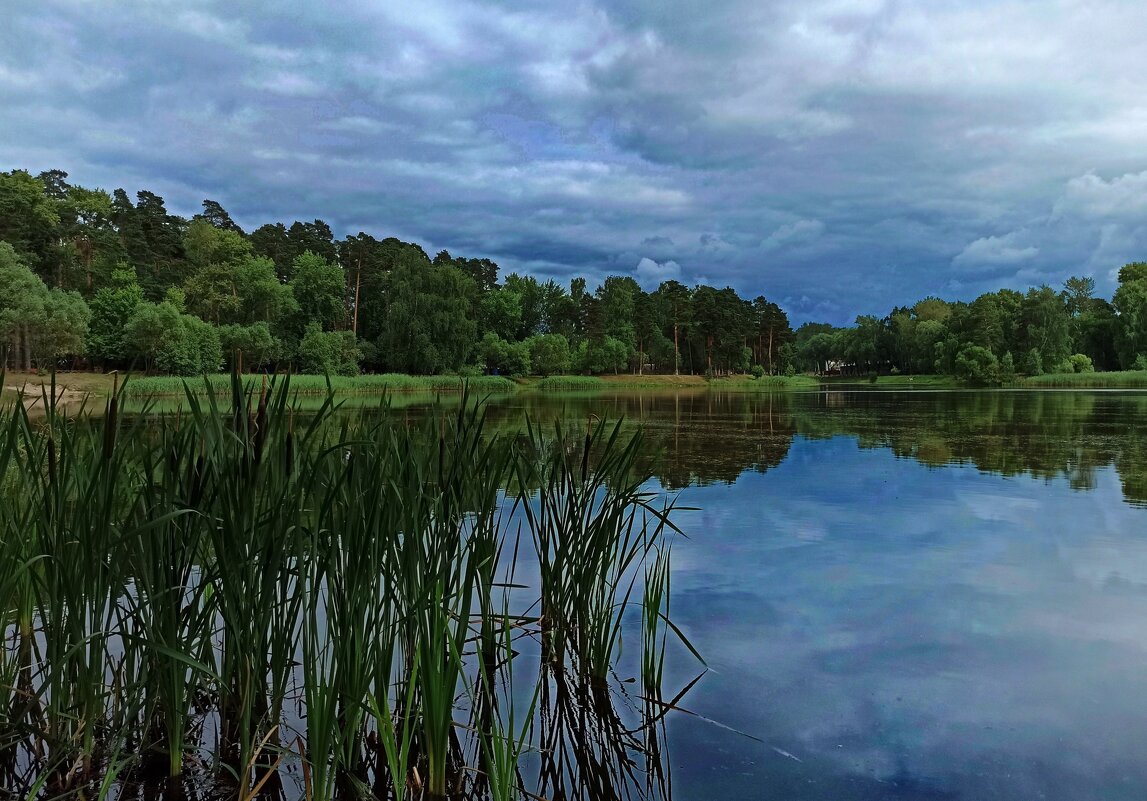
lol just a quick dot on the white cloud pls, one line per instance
(994, 251)
(650, 273)
(800, 232)
(1090, 196)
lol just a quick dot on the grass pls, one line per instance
(1124, 379)
(766, 383)
(166, 575)
(570, 383)
(170, 391)
(899, 381)
(745, 383)
(158, 386)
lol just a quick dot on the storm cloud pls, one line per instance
(838, 157)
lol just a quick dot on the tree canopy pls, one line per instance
(99, 278)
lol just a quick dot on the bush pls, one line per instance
(507, 358)
(1007, 367)
(757, 371)
(570, 383)
(1080, 363)
(1033, 363)
(171, 342)
(607, 355)
(1140, 362)
(328, 352)
(255, 342)
(977, 365)
(549, 354)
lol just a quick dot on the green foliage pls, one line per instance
(1140, 362)
(570, 383)
(1125, 379)
(28, 218)
(500, 312)
(1007, 368)
(977, 365)
(606, 355)
(418, 315)
(63, 326)
(319, 289)
(1135, 271)
(206, 245)
(1080, 363)
(1046, 325)
(1032, 363)
(255, 342)
(549, 354)
(112, 308)
(757, 371)
(37, 325)
(429, 326)
(317, 385)
(172, 342)
(1130, 304)
(506, 358)
(328, 352)
(237, 559)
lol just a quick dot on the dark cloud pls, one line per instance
(841, 157)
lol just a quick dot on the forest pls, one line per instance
(94, 280)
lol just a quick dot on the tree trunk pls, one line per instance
(676, 352)
(357, 287)
(27, 349)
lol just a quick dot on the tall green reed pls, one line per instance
(211, 570)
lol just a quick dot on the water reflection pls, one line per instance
(700, 438)
(904, 595)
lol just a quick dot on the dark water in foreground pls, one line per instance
(924, 595)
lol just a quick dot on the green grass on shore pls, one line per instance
(1122, 379)
(569, 383)
(159, 386)
(898, 381)
(768, 383)
(740, 383)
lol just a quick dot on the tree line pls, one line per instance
(96, 278)
(89, 278)
(995, 337)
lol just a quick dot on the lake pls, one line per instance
(903, 595)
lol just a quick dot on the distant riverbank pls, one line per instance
(73, 387)
(78, 385)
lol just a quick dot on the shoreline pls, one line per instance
(76, 387)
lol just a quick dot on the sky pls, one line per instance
(838, 157)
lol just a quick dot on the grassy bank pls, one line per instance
(768, 383)
(898, 381)
(581, 383)
(1122, 379)
(159, 386)
(76, 387)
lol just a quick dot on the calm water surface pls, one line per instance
(919, 595)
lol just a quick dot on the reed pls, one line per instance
(570, 383)
(1126, 379)
(243, 584)
(318, 385)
